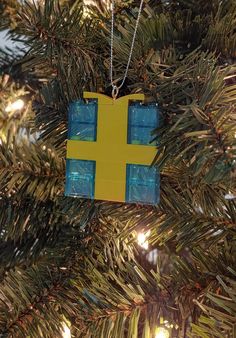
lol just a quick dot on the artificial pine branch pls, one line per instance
(79, 262)
(39, 228)
(22, 160)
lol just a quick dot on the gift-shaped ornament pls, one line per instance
(109, 153)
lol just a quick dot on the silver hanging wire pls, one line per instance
(115, 88)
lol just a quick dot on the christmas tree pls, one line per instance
(72, 267)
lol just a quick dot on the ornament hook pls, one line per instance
(115, 92)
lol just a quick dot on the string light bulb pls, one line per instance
(17, 105)
(230, 196)
(66, 331)
(142, 239)
(161, 332)
(88, 3)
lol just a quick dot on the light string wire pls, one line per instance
(115, 88)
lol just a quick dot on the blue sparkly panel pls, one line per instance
(83, 121)
(142, 121)
(80, 178)
(142, 184)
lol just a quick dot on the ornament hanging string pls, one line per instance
(115, 88)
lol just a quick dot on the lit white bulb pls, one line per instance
(88, 3)
(86, 9)
(142, 239)
(161, 332)
(66, 331)
(17, 105)
(93, 2)
(230, 196)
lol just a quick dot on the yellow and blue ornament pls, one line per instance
(109, 154)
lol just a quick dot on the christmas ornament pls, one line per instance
(108, 151)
